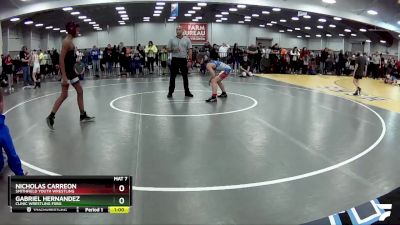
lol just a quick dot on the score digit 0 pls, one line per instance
(121, 188)
(121, 200)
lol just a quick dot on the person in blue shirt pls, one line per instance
(95, 53)
(7, 145)
(215, 80)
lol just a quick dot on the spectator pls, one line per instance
(7, 145)
(95, 54)
(140, 49)
(115, 56)
(164, 59)
(324, 57)
(275, 51)
(108, 59)
(48, 64)
(7, 69)
(213, 52)
(294, 64)
(252, 56)
(236, 58)
(359, 71)
(223, 52)
(25, 59)
(137, 62)
(375, 66)
(151, 51)
(245, 67)
(55, 59)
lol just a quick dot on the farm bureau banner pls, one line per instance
(196, 32)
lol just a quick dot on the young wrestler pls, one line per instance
(216, 80)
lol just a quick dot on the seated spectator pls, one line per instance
(245, 67)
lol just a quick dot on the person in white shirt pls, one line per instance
(223, 52)
(294, 60)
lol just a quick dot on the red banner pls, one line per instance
(196, 32)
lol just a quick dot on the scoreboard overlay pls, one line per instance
(70, 194)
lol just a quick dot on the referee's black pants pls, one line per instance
(179, 64)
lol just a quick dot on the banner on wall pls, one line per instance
(196, 32)
(174, 10)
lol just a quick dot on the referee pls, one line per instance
(181, 48)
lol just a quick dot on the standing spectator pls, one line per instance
(305, 57)
(139, 48)
(341, 63)
(214, 52)
(245, 67)
(55, 59)
(252, 56)
(137, 63)
(108, 59)
(258, 57)
(359, 71)
(25, 59)
(235, 54)
(95, 54)
(181, 48)
(151, 51)
(274, 57)
(294, 56)
(375, 66)
(223, 52)
(324, 56)
(42, 62)
(7, 145)
(7, 68)
(115, 56)
(48, 64)
(164, 59)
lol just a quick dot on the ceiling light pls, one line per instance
(307, 17)
(126, 18)
(332, 25)
(192, 12)
(63, 31)
(122, 12)
(269, 24)
(281, 31)
(170, 20)
(289, 30)
(318, 35)
(282, 21)
(368, 41)
(156, 14)
(225, 13)
(372, 12)
(297, 28)
(276, 9)
(67, 9)
(218, 21)
(322, 20)
(255, 15)
(75, 13)
(247, 17)
(224, 19)
(39, 25)
(241, 6)
(146, 18)
(233, 9)
(56, 29)
(329, 35)
(329, 1)
(295, 18)
(202, 4)
(171, 17)
(298, 36)
(195, 20)
(274, 22)
(398, 22)
(219, 16)
(383, 41)
(196, 8)
(363, 30)
(199, 18)
(14, 19)
(160, 3)
(307, 28)
(262, 25)
(159, 7)
(188, 14)
(96, 25)
(320, 27)
(347, 30)
(121, 21)
(337, 18)
(241, 22)
(354, 35)
(28, 22)
(120, 8)
(91, 23)
(341, 35)
(99, 29)
(247, 20)
(307, 36)
(265, 12)
(122, 16)
(82, 17)
(87, 20)
(49, 27)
